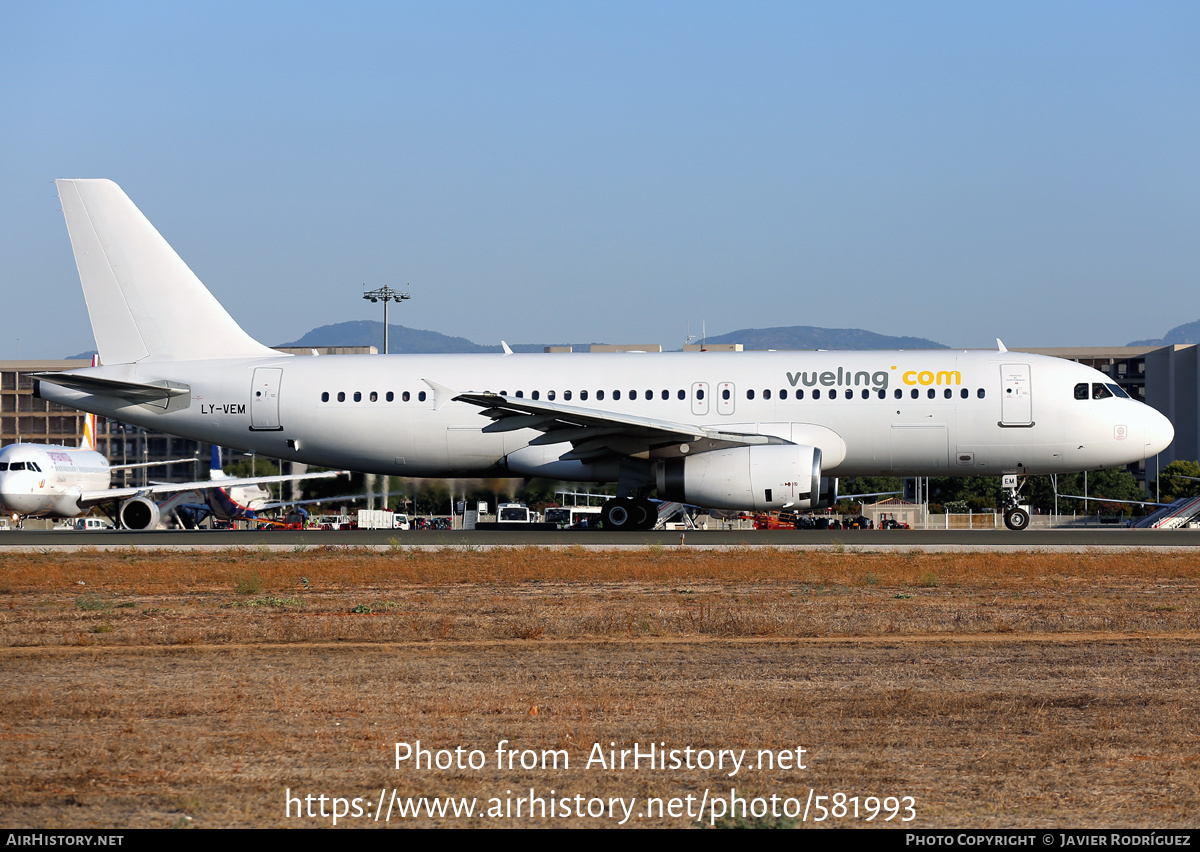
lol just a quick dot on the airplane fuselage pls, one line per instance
(904, 413)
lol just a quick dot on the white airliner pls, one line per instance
(747, 430)
(64, 482)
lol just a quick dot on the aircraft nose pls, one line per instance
(1159, 432)
(14, 494)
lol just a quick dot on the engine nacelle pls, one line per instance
(138, 513)
(760, 478)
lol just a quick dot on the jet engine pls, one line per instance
(138, 513)
(760, 478)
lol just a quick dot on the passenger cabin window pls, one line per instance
(981, 393)
(783, 394)
(666, 394)
(616, 394)
(599, 394)
(341, 396)
(750, 395)
(374, 396)
(391, 396)
(550, 395)
(583, 395)
(682, 395)
(767, 394)
(325, 396)
(567, 396)
(700, 393)
(421, 396)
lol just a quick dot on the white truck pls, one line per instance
(382, 519)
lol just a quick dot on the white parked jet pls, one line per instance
(64, 482)
(748, 430)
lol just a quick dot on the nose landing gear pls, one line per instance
(1015, 518)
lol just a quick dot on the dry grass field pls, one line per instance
(157, 689)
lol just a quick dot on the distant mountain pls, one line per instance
(404, 340)
(810, 337)
(1186, 333)
(401, 339)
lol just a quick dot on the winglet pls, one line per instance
(1000, 345)
(507, 349)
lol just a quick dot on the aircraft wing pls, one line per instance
(342, 498)
(1111, 500)
(595, 434)
(192, 460)
(93, 498)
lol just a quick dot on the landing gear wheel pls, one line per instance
(645, 513)
(617, 514)
(1016, 519)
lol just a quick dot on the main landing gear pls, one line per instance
(1015, 518)
(629, 513)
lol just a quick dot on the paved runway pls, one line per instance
(930, 540)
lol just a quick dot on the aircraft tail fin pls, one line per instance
(143, 300)
(89, 433)
(214, 465)
(88, 442)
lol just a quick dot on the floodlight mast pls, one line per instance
(385, 294)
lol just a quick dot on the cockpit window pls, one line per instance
(1118, 391)
(1100, 391)
(3, 465)
(1081, 390)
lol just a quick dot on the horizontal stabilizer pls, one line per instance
(138, 392)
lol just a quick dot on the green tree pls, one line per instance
(1171, 482)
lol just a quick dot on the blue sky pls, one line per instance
(571, 172)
